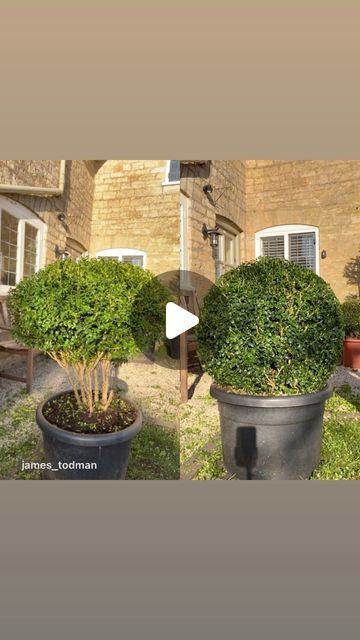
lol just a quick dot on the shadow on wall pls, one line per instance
(352, 275)
(194, 170)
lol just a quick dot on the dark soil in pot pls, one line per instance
(271, 437)
(63, 411)
(81, 447)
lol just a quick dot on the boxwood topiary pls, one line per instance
(85, 315)
(351, 310)
(270, 327)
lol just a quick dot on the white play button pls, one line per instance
(178, 320)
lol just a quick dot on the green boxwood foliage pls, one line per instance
(351, 310)
(270, 327)
(87, 314)
(86, 307)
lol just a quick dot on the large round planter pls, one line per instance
(351, 353)
(77, 456)
(271, 437)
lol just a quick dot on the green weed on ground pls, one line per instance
(340, 452)
(154, 454)
(20, 440)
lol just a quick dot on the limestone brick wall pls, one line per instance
(325, 194)
(227, 177)
(76, 201)
(133, 209)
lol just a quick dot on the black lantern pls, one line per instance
(61, 254)
(207, 188)
(212, 234)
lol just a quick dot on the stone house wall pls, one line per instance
(227, 201)
(324, 194)
(76, 202)
(134, 209)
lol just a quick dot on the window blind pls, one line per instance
(136, 260)
(174, 171)
(302, 249)
(273, 247)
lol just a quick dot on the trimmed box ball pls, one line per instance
(270, 327)
(79, 309)
(351, 310)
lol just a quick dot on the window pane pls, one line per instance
(137, 260)
(8, 248)
(273, 247)
(228, 252)
(174, 171)
(302, 249)
(30, 249)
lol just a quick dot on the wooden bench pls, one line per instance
(188, 345)
(9, 346)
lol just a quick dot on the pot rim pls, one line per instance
(86, 439)
(351, 339)
(247, 400)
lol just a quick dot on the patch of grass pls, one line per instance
(340, 453)
(344, 399)
(154, 454)
(20, 440)
(212, 466)
(207, 398)
(350, 398)
(197, 429)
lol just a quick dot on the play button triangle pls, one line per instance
(178, 320)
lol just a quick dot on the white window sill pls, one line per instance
(170, 184)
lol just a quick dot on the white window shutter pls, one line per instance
(273, 247)
(302, 249)
(136, 260)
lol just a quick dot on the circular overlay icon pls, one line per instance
(179, 314)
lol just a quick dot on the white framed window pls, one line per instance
(134, 256)
(172, 172)
(21, 243)
(227, 253)
(294, 242)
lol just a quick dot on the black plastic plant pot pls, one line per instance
(76, 456)
(271, 437)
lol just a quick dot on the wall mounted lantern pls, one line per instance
(61, 254)
(212, 234)
(207, 188)
(323, 254)
(61, 217)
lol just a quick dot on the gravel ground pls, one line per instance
(47, 377)
(343, 375)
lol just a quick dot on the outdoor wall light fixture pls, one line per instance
(212, 234)
(61, 254)
(323, 254)
(61, 217)
(207, 188)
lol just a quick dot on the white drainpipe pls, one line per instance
(51, 191)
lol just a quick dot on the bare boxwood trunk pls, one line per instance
(90, 380)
